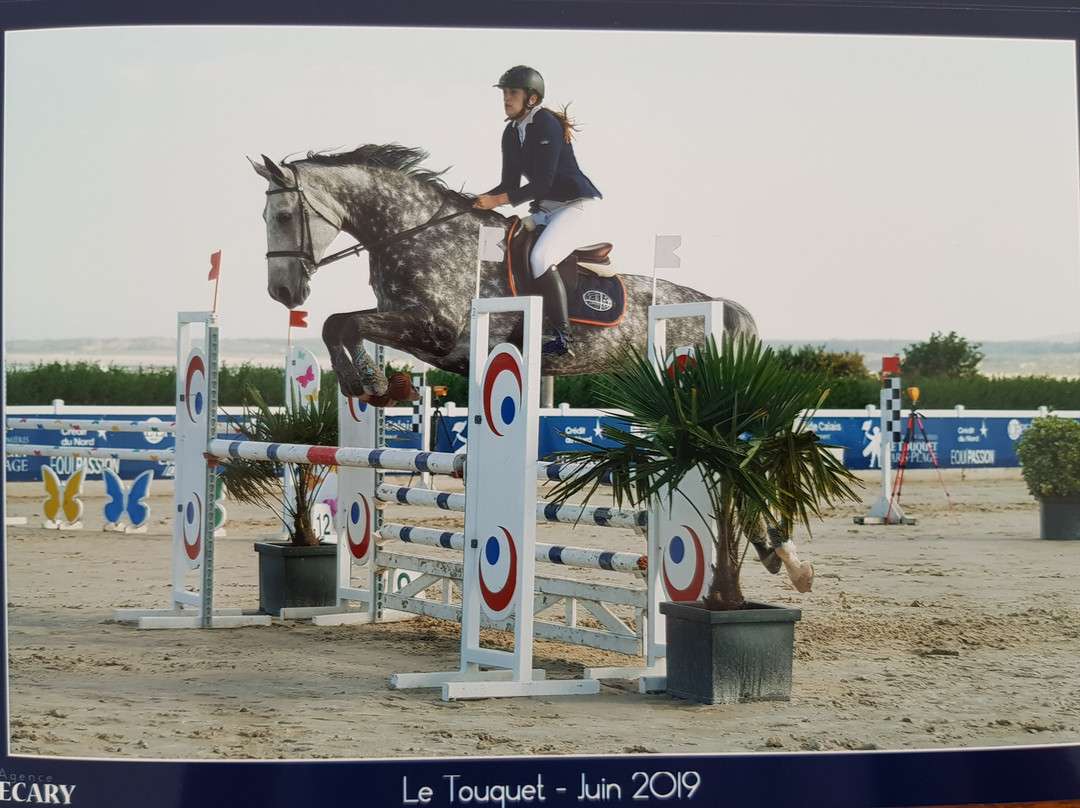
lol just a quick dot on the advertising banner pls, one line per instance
(945, 438)
(949, 441)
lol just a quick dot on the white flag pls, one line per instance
(664, 256)
(492, 247)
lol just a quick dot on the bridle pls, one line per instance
(306, 250)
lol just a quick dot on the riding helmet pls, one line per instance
(523, 77)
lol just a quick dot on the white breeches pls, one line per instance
(566, 228)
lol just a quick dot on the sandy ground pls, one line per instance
(962, 630)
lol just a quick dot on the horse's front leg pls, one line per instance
(406, 330)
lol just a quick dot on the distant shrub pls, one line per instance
(1049, 454)
(836, 365)
(942, 355)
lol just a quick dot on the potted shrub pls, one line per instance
(734, 415)
(299, 572)
(1049, 454)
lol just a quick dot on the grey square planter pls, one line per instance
(1059, 517)
(732, 656)
(296, 577)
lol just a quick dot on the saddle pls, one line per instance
(595, 295)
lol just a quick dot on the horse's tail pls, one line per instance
(738, 319)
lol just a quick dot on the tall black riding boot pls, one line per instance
(551, 289)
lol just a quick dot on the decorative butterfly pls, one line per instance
(307, 377)
(63, 496)
(123, 500)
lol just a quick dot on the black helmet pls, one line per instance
(523, 77)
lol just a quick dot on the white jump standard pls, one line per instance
(193, 492)
(500, 535)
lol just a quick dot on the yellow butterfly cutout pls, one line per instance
(63, 496)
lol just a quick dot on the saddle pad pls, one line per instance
(590, 298)
(596, 300)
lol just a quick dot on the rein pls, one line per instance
(305, 252)
(356, 249)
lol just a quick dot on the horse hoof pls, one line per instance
(804, 579)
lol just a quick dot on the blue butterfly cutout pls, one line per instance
(123, 500)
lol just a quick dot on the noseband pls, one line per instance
(306, 253)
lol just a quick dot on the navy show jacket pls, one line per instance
(545, 159)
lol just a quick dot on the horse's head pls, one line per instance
(299, 228)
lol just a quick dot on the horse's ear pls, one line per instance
(269, 171)
(260, 169)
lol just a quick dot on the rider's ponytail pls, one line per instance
(569, 125)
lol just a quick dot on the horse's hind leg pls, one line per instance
(765, 549)
(775, 550)
(801, 573)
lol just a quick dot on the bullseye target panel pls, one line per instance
(497, 532)
(192, 428)
(358, 518)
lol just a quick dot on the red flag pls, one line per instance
(297, 319)
(890, 364)
(215, 265)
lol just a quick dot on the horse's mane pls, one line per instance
(392, 156)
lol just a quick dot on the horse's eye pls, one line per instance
(283, 218)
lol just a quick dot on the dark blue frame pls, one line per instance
(872, 779)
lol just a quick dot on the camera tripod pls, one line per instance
(915, 419)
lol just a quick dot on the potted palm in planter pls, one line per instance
(1049, 454)
(299, 572)
(733, 415)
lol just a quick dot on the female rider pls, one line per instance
(536, 144)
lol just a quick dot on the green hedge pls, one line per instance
(1014, 393)
(83, 383)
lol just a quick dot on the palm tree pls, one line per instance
(734, 414)
(261, 482)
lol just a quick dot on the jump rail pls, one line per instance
(388, 459)
(545, 511)
(551, 553)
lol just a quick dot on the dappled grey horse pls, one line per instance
(422, 242)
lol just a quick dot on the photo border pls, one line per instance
(857, 779)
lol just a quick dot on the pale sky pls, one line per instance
(849, 187)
